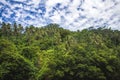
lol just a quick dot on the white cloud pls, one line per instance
(20, 0)
(34, 2)
(68, 15)
(0, 20)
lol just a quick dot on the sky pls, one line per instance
(69, 14)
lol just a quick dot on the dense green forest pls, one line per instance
(54, 53)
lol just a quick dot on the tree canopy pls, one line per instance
(54, 53)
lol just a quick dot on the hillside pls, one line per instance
(54, 53)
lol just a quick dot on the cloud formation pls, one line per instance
(70, 14)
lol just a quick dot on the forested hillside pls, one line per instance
(54, 53)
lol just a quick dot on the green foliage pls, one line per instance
(13, 66)
(54, 53)
(30, 53)
(5, 45)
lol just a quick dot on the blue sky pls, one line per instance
(69, 14)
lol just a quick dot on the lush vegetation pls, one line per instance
(54, 53)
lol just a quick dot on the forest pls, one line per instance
(54, 53)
